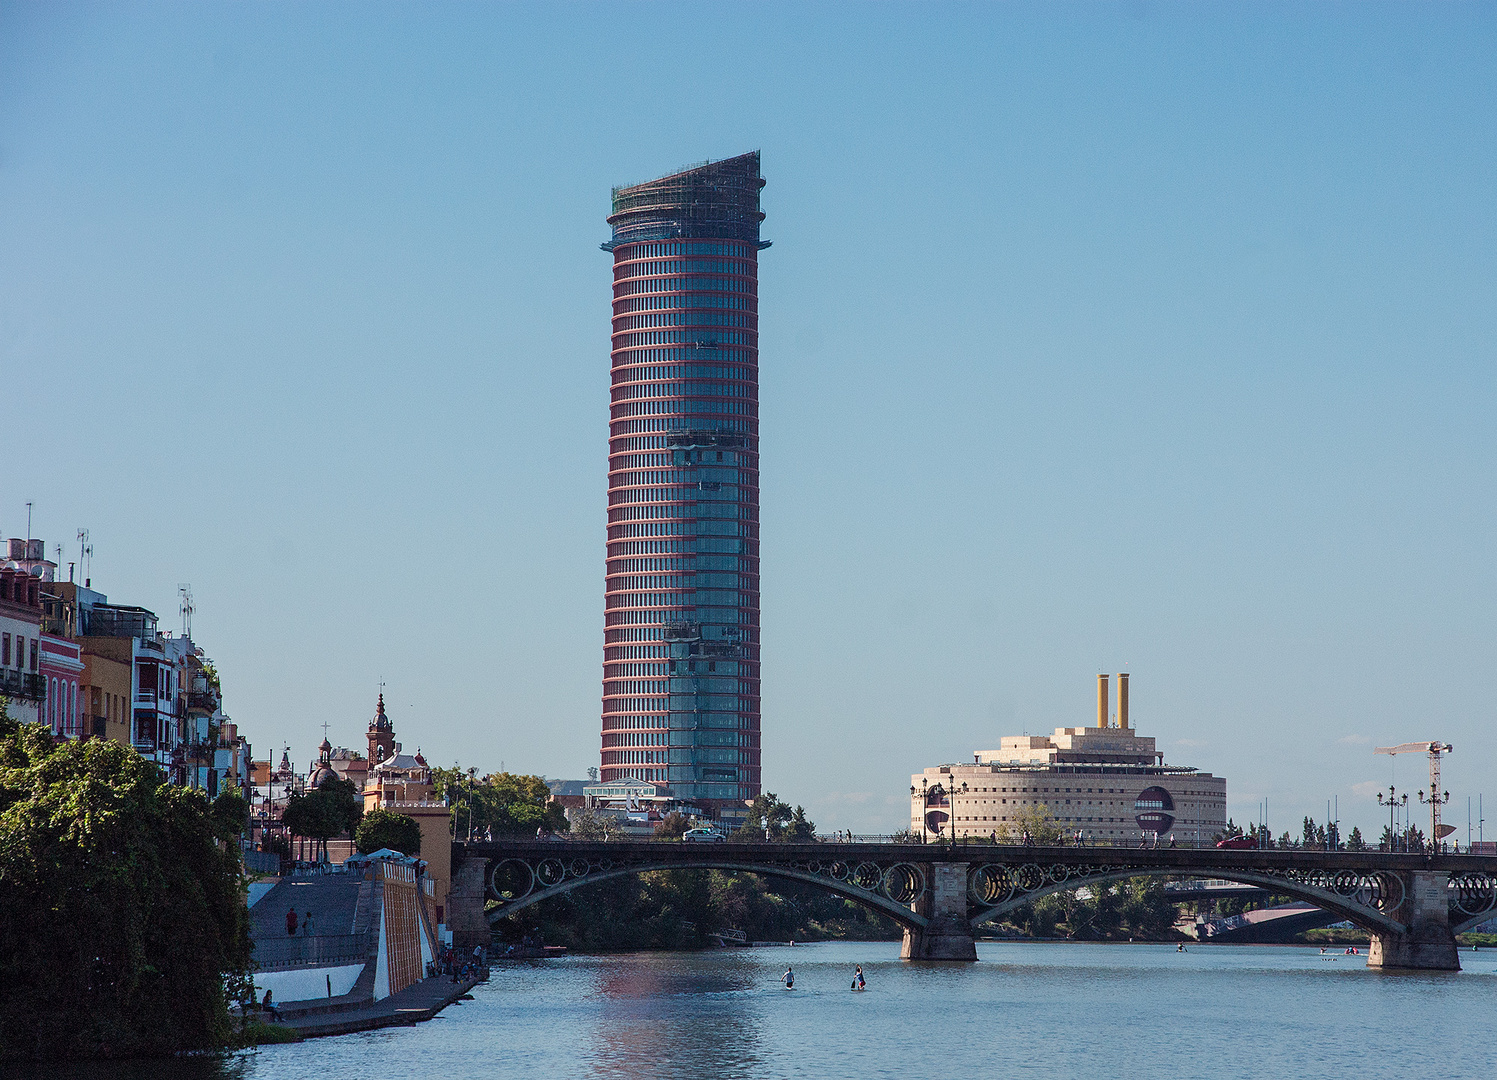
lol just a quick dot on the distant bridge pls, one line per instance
(941, 894)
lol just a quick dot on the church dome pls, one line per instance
(381, 722)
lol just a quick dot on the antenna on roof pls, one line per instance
(185, 590)
(85, 556)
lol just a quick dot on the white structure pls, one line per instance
(20, 637)
(1106, 782)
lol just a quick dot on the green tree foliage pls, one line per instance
(590, 825)
(673, 826)
(1136, 908)
(231, 812)
(681, 909)
(122, 915)
(1354, 842)
(1034, 821)
(334, 809)
(387, 829)
(499, 804)
(769, 816)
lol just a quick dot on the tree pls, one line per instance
(589, 825)
(1232, 830)
(231, 813)
(770, 817)
(1354, 842)
(123, 929)
(1034, 821)
(387, 829)
(334, 809)
(500, 804)
(672, 826)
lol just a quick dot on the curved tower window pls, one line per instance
(681, 607)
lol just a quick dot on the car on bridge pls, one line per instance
(709, 836)
(1238, 842)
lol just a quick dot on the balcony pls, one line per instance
(23, 685)
(204, 701)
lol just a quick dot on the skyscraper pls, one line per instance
(681, 624)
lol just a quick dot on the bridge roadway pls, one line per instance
(941, 893)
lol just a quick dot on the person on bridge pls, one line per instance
(306, 925)
(788, 979)
(290, 922)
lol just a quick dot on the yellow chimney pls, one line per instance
(1123, 699)
(1102, 720)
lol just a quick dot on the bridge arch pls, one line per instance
(900, 913)
(1366, 916)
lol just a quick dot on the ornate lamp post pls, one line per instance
(951, 804)
(924, 804)
(1434, 802)
(1392, 802)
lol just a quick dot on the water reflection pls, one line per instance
(657, 1009)
(1041, 1011)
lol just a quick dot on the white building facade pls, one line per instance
(1107, 783)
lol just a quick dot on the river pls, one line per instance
(1033, 1010)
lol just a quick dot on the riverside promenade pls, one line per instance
(340, 1016)
(362, 967)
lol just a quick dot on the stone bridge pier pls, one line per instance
(947, 934)
(1428, 944)
(465, 903)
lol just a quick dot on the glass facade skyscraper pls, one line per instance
(681, 623)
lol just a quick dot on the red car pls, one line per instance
(1237, 842)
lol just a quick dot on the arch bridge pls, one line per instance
(942, 894)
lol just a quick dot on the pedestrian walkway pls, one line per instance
(332, 899)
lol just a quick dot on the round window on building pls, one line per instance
(1153, 810)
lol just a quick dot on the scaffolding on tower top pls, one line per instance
(716, 199)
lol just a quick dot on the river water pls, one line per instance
(1025, 1009)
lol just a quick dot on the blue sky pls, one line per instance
(1140, 337)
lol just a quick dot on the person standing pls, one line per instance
(306, 925)
(788, 979)
(290, 922)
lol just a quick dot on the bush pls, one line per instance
(259, 1033)
(122, 915)
(386, 829)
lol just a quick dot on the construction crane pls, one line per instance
(1437, 798)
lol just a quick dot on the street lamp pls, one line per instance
(951, 804)
(1434, 802)
(1393, 802)
(924, 805)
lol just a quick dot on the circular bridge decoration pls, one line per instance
(903, 883)
(1473, 894)
(511, 879)
(991, 885)
(1380, 891)
(550, 872)
(1154, 810)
